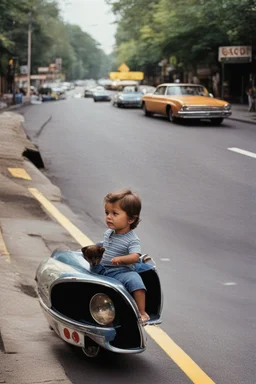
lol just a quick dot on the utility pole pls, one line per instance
(29, 56)
(222, 79)
(14, 61)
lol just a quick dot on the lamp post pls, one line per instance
(29, 56)
(14, 64)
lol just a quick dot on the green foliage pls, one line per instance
(51, 38)
(191, 30)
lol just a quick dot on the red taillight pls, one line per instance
(75, 337)
(66, 333)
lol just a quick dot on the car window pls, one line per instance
(160, 90)
(129, 89)
(187, 90)
(174, 91)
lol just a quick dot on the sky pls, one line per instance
(94, 17)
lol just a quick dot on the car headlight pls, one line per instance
(102, 309)
(120, 98)
(184, 108)
(227, 107)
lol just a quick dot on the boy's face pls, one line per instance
(117, 218)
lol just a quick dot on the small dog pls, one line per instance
(93, 254)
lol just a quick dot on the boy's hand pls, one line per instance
(117, 260)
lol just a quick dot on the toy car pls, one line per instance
(92, 311)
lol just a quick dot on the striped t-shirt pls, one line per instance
(119, 245)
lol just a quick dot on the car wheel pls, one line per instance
(217, 121)
(170, 115)
(146, 112)
(91, 349)
(95, 100)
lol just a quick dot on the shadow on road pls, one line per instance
(115, 368)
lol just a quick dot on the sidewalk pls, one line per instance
(5, 106)
(240, 113)
(27, 236)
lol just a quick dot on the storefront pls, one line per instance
(237, 70)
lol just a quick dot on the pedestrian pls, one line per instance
(251, 93)
(254, 98)
(122, 245)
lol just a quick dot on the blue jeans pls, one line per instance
(129, 278)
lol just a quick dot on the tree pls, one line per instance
(51, 39)
(190, 30)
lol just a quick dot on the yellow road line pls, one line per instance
(71, 228)
(3, 249)
(187, 365)
(20, 173)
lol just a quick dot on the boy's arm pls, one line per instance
(126, 259)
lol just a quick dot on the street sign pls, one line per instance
(126, 76)
(235, 54)
(173, 60)
(124, 68)
(43, 69)
(23, 69)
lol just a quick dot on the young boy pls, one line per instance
(122, 245)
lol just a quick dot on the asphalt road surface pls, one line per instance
(198, 222)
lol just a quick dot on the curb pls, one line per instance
(242, 120)
(22, 324)
(14, 107)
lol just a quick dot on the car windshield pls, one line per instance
(130, 89)
(188, 90)
(147, 89)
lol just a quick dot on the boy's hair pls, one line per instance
(129, 202)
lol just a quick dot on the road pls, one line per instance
(198, 221)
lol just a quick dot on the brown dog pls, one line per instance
(93, 254)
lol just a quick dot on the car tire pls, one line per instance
(146, 112)
(217, 121)
(171, 118)
(91, 349)
(95, 100)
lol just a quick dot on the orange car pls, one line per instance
(185, 101)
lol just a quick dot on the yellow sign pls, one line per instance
(124, 68)
(173, 60)
(126, 76)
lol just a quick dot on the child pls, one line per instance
(122, 245)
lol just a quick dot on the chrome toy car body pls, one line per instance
(93, 311)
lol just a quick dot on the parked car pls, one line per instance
(185, 101)
(130, 96)
(90, 89)
(118, 85)
(48, 94)
(106, 83)
(147, 89)
(101, 95)
(88, 92)
(60, 92)
(92, 311)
